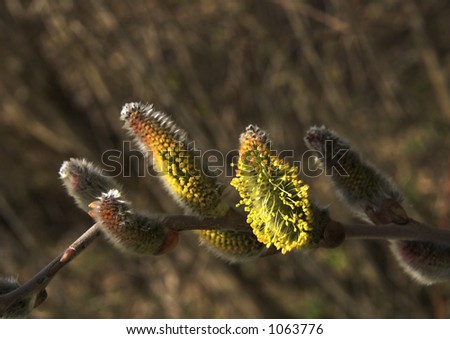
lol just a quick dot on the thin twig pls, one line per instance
(413, 230)
(436, 72)
(234, 221)
(40, 281)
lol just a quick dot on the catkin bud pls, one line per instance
(128, 231)
(277, 203)
(185, 177)
(23, 307)
(84, 181)
(8, 284)
(426, 262)
(357, 182)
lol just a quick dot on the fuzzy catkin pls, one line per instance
(129, 231)
(174, 158)
(360, 184)
(84, 181)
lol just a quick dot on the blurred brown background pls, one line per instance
(375, 71)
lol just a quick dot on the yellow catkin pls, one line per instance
(277, 202)
(174, 159)
(232, 246)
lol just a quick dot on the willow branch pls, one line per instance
(413, 230)
(235, 221)
(39, 282)
(232, 221)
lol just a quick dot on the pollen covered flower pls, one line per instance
(174, 158)
(129, 231)
(277, 202)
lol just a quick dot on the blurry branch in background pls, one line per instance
(278, 214)
(436, 72)
(317, 15)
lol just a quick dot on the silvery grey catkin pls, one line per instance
(358, 183)
(426, 262)
(367, 191)
(85, 182)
